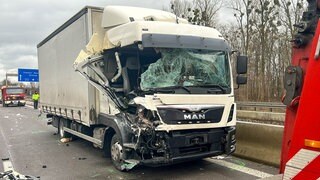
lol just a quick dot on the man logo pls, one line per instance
(194, 116)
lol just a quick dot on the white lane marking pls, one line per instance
(240, 168)
(6, 144)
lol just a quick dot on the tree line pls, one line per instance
(262, 30)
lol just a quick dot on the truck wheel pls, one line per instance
(117, 153)
(62, 133)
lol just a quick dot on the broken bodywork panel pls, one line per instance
(143, 144)
(140, 113)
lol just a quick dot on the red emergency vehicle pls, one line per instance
(300, 157)
(13, 96)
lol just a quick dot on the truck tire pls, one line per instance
(107, 143)
(117, 153)
(62, 133)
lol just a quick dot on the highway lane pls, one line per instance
(35, 149)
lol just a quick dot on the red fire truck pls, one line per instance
(13, 96)
(300, 157)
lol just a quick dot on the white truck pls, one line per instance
(143, 85)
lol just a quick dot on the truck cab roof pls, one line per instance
(117, 15)
(165, 34)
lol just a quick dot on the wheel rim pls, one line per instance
(116, 152)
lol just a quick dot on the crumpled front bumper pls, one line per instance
(196, 145)
(15, 102)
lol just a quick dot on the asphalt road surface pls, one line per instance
(34, 149)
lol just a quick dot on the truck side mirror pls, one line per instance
(242, 63)
(241, 80)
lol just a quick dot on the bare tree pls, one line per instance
(182, 8)
(200, 12)
(208, 10)
(263, 31)
(291, 11)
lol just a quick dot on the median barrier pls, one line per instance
(259, 142)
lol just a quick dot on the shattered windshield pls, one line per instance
(187, 68)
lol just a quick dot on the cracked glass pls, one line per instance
(187, 67)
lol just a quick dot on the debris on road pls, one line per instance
(65, 140)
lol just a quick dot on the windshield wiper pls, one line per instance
(159, 90)
(170, 89)
(180, 87)
(217, 86)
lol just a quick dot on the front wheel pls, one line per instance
(117, 153)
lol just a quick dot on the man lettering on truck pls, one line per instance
(35, 98)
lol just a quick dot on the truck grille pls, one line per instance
(184, 116)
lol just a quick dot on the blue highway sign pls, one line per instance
(28, 75)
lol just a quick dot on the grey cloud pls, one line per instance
(25, 23)
(13, 56)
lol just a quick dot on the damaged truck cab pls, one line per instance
(163, 89)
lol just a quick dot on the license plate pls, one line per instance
(15, 102)
(200, 139)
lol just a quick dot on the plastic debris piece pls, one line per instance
(65, 140)
(129, 164)
(220, 157)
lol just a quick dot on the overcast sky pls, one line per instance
(24, 23)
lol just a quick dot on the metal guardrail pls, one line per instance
(255, 105)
